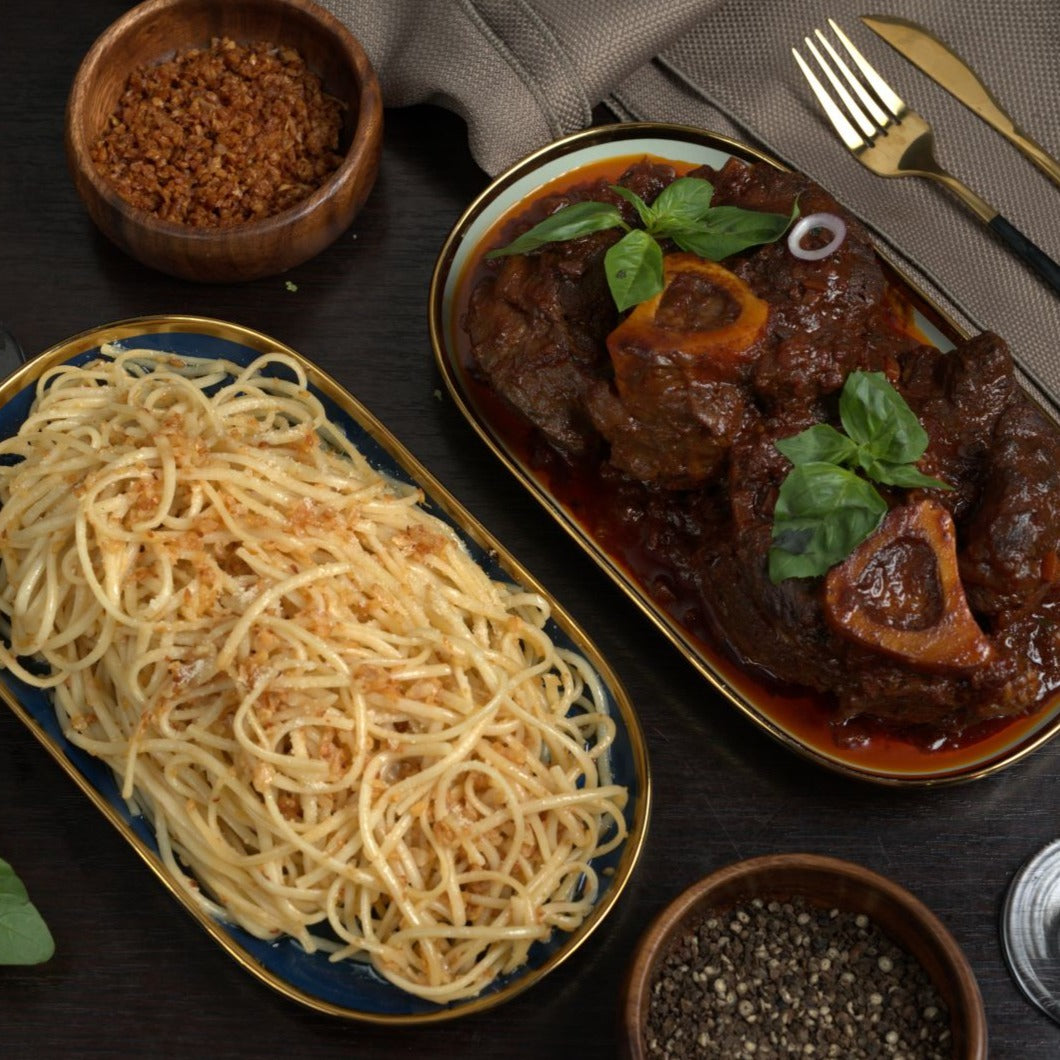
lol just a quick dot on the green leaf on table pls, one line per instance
(634, 267)
(822, 514)
(568, 222)
(24, 937)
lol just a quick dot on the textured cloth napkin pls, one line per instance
(525, 72)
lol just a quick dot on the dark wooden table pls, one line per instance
(133, 975)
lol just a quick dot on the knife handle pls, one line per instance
(1033, 255)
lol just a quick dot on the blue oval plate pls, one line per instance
(344, 988)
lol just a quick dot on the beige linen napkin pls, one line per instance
(524, 72)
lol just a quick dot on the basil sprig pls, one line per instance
(682, 212)
(24, 937)
(826, 505)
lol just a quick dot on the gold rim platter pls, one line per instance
(384, 1004)
(689, 145)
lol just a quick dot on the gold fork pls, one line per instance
(892, 140)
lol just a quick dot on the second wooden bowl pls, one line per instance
(155, 31)
(822, 882)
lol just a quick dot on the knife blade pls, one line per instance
(951, 72)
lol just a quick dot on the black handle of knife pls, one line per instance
(1033, 255)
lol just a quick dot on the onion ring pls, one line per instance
(802, 227)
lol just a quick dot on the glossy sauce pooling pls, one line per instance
(657, 535)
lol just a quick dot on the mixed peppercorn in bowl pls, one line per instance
(800, 955)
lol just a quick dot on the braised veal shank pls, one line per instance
(946, 616)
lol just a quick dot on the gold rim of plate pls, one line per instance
(1042, 725)
(437, 496)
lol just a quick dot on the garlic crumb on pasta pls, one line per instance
(342, 729)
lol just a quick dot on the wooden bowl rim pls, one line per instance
(769, 876)
(360, 153)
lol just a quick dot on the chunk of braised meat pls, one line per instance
(842, 291)
(776, 629)
(537, 322)
(1009, 685)
(1033, 633)
(810, 369)
(645, 178)
(823, 313)
(958, 396)
(537, 330)
(1002, 455)
(679, 360)
(757, 468)
(684, 445)
(669, 526)
(899, 593)
(1012, 537)
(1021, 669)
(780, 630)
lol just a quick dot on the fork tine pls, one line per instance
(888, 97)
(847, 133)
(867, 101)
(853, 110)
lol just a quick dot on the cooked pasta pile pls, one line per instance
(336, 721)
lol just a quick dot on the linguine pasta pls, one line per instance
(341, 728)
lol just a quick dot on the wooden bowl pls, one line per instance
(155, 31)
(823, 882)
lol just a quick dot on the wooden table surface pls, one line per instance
(133, 975)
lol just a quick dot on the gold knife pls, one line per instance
(947, 69)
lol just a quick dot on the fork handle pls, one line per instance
(1033, 255)
(1004, 229)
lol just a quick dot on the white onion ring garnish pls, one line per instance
(805, 225)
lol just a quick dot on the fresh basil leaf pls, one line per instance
(727, 230)
(684, 202)
(821, 442)
(822, 513)
(634, 267)
(682, 212)
(876, 416)
(645, 212)
(24, 937)
(819, 490)
(909, 476)
(568, 222)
